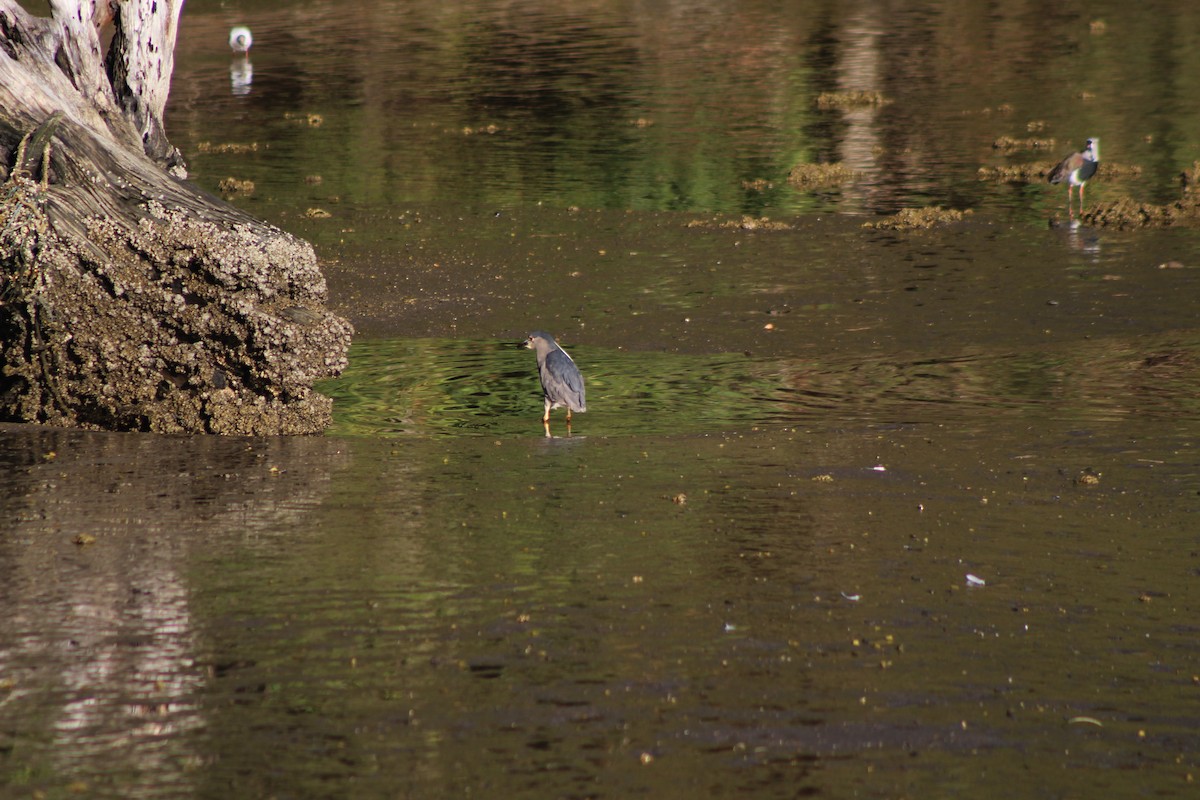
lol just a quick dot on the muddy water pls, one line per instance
(744, 571)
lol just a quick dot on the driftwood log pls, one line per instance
(129, 298)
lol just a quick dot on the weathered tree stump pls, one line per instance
(130, 299)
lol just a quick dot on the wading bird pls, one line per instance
(562, 385)
(1077, 169)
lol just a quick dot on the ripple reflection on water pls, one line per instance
(454, 387)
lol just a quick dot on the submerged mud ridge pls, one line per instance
(811, 176)
(1128, 214)
(180, 324)
(1125, 213)
(1036, 171)
(912, 219)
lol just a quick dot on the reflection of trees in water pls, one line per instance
(680, 105)
(97, 638)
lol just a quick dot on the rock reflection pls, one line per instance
(97, 639)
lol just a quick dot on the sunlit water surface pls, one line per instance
(851, 513)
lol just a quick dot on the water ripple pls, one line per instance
(454, 387)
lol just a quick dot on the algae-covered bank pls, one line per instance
(130, 299)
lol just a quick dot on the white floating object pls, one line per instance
(853, 598)
(879, 468)
(975, 580)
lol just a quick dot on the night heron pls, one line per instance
(240, 39)
(562, 385)
(1077, 169)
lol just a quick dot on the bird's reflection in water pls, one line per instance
(567, 435)
(1079, 237)
(241, 76)
(562, 440)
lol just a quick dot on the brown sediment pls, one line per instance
(234, 186)
(812, 176)
(1009, 144)
(851, 99)
(1125, 213)
(745, 223)
(911, 219)
(1039, 170)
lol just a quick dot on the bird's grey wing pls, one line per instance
(560, 364)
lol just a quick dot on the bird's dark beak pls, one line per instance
(527, 343)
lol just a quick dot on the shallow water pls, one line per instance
(744, 571)
(768, 611)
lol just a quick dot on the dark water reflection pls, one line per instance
(756, 612)
(98, 640)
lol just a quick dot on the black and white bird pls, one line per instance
(1077, 169)
(240, 39)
